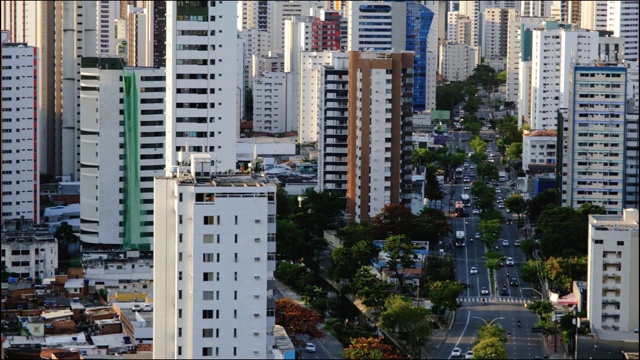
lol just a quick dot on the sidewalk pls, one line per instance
(438, 337)
(328, 343)
(549, 346)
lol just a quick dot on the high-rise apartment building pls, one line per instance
(28, 249)
(156, 33)
(612, 275)
(325, 31)
(632, 158)
(593, 14)
(108, 12)
(122, 150)
(457, 61)
(495, 32)
(516, 27)
(279, 11)
(535, 8)
(593, 157)
(271, 95)
(380, 127)
(20, 175)
(202, 112)
(554, 50)
(397, 26)
(20, 19)
(333, 124)
(213, 264)
(309, 102)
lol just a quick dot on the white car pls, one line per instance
(484, 291)
(505, 242)
(473, 270)
(457, 352)
(510, 261)
(517, 243)
(476, 211)
(466, 187)
(147, 307)
(310, 348)
(472, 166)
(500, 206)
(468, 355)
(477, 235)
(136, 308)
(498, 191)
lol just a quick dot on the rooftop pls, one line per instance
(24, 230)
(540, 133)
(628, 221)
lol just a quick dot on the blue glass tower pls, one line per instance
(419, 19)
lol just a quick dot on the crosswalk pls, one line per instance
(478, 299)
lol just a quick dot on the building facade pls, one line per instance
(271, 92)
(457, 61)
(202, 90)
(542, 150)
(28, 250)
(20, 168)
(612, 275)
(122, 150)
(213, 265)
(379, 140)
(594, 139)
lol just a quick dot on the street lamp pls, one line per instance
(299, 201)
(536, 291)
(490, 322)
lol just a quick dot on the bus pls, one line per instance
(466, 200)
(460, 238)
(459, 209)
(458, 173)
(502, 176)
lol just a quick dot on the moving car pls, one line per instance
(457, 352)
(475, 211)
(473, 270)
(504, 291)
(469, 355)
(477, 235)
(136, 307)
(500, 206)
(465, 180)
(484, 291)
(147, 307)
(310, 348)
(517, 243)
(498, 191)
(466, 187)
(505, 242)
(510, 261)
(514, 282)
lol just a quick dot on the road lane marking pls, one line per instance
(463, 331)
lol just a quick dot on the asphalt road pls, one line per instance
(523, 344)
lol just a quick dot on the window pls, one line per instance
(207, 257)
(207, 333)
(207, 314)
(235, 295)
(179, 275)
(207, 351)
(208, 220)
(179, 313)
(207, 276)
(179, 294)
(599, 241)
(207, 295)
(179, 332)
(620, 243)
(207, 238)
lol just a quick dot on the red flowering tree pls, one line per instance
(296, 319)
(370, 348)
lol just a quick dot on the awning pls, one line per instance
(568, 299)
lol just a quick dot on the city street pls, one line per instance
(509, 308)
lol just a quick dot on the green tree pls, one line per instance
(490, 230)
(478, 158)
(290, 243)
(393, 220)
(516, 204)
(430, 224)
(472, 105)
(370, 289)
(533, 271)
(444, 296)
(440, 268)
(514, 151)
(564, 232)
(542, 308)
(410, 323)
(422, 157)
(472, 127)
(399, 249)
(540, 202)
(353, 233)
(450, 95)
(508, 127)
(486, 332)
(370, 348)
(284, 203)
(487, 170)
(490, 349)
(485, 196)
(432, 188)
(477, 144)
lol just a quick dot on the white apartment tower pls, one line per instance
(106, 16)
(535, 8)
(612, 299)
(555, 49)
(20, 173)
(594, 153)
(28, 249)
(271, 94)
(623, 21)
(376, 26)
(593, 14)
(279, 11)
(202, 112)
(213, 265)
(457, 61)
(122, 150)
(517, 25)
(495, 32)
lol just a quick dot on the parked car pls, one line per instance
(457, 352)
(473, 270)
(510, 261)
(136, 307)
(514, 282)
(147, 307)
(310, 348)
